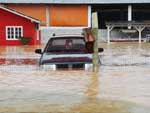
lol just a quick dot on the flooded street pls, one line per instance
(121, 86)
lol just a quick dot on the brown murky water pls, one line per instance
(121, 86)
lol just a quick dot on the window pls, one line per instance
(66, 44)
(14, 32)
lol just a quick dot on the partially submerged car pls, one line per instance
(68, 51)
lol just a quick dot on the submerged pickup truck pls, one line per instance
(66, 52)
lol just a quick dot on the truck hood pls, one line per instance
(66, 58)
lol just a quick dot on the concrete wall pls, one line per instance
(47, 33)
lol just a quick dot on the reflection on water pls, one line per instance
(121, 86)
(92, 89)
(92, 104)
(14, 61)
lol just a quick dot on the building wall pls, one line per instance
(36, 11)
(55, 15)
(69, 15)
(10, 19)
(46, 34)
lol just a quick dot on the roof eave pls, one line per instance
(19, 14)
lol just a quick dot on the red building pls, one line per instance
(14, 24)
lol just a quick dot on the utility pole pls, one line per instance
(95, 34)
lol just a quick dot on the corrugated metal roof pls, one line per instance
(76, 1)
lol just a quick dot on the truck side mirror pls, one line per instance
(100, 49)
(38, 51)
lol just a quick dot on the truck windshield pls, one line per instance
(69, 44)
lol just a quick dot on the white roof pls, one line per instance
(19, 14)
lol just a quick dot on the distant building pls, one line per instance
(70, 16)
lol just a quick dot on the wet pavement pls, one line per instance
(121, 86)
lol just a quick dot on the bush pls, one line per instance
(25, 40)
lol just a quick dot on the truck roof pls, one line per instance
(66, 35)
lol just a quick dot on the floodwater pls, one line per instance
(121, 85)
